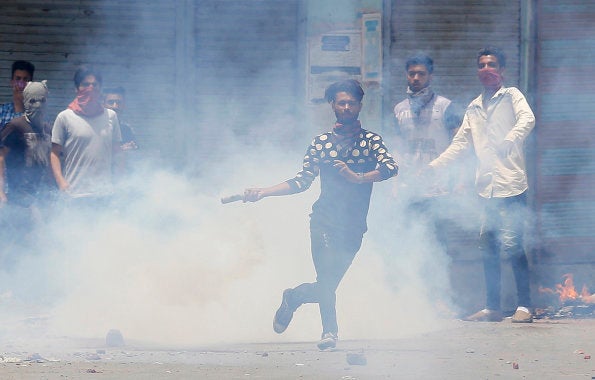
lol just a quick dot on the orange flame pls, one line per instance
(567, 291)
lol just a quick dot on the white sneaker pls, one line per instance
(522, 316)
(328, 341)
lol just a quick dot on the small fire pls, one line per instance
(568, 292)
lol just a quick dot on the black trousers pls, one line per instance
(333, 251)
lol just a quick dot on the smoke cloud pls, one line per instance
(170, 265)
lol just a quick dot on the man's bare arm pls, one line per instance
(57, 167)
(256, 194)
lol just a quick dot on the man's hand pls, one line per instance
(3, 198)
(131, 145)
(505, 148)
(253, 194)
(347, 173)
(63, 186)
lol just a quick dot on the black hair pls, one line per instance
(420, 59)
(23, 65)
(84, 71)
(115, 90)
(350, 86)
(495, 51)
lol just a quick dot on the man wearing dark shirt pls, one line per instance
(348, 159)
(21, 73)
(115, 100)
(24, 162)
(25, 149)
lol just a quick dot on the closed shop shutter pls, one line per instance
(565, 114)
(192, 69)
(246, 63)
(452, 32)
(131, 42)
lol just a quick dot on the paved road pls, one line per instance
(555, 349)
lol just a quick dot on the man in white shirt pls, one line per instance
(88, 137)
(495, 127)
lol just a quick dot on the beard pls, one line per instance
(346, 118)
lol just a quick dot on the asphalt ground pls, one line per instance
(545, 349)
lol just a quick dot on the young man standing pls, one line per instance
(25, 148)
(425, 121)
(115, 100)
(22, 72)
(88, 136)
(24, 163)
(348, 159)
(495, 126)
(425, 125)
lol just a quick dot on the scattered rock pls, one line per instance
(35, 358)
(93, 357)
(357, 358)
(5, 359)
(114, 338)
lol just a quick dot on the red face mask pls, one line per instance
(489, 77)
(87, 102)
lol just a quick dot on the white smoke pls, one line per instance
(173, 266)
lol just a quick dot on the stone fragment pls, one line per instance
(356, 358)
(114, 338)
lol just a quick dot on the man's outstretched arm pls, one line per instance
(257, 193)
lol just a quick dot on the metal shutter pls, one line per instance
(246, 64)
(131, 42)
(192, 69)
(565, 113)
(452, 32)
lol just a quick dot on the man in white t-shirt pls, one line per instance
(85, 140)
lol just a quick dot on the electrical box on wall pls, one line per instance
(372, 48)
(346, 54)
(332, 57)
